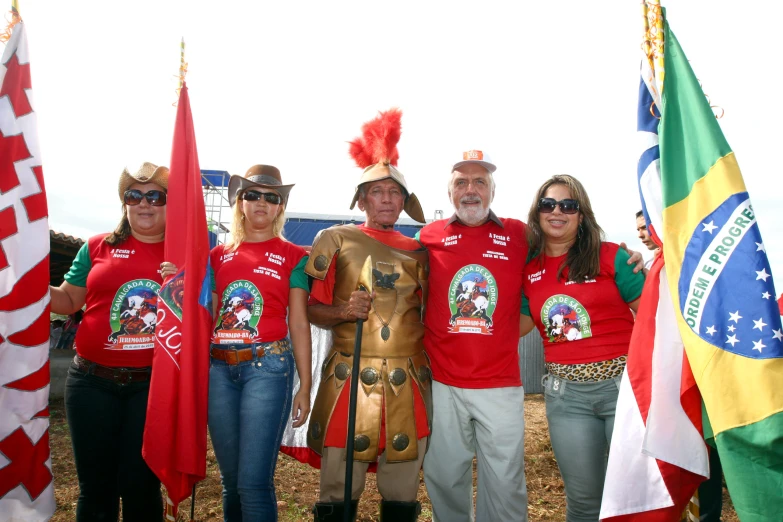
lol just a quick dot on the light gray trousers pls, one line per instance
(581, 419)
(490, 424)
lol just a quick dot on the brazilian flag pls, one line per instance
(720, 280)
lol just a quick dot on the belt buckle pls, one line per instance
(232, 357)
(122, 377)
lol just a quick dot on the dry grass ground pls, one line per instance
(297, 484)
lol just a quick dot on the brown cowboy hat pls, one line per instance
(264, 176)
(147, 173)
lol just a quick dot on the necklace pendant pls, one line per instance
(385, 333)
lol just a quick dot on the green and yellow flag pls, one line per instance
(720, 279)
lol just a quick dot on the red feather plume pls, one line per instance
(378, 142)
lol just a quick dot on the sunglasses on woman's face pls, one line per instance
(156, 198)
(567, 206)
(270, 197)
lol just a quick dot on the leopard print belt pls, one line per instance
(589, 372)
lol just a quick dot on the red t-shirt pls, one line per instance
(253, 284)
(118, 328)
(323, 292)
(475, 291)
(587, 322)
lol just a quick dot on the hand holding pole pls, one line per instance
(364, 284)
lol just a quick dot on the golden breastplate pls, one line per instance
(394, 327)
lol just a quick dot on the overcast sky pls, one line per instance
(543, 87)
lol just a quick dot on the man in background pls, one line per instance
(644, 235)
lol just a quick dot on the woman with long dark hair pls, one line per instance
(581, 294)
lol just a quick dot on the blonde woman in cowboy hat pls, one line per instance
(260, 333)
(117, 276)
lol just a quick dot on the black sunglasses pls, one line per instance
(567, 206)
(269, 197)
(156, 198)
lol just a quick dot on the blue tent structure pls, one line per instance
(300, 229)
(215, 185)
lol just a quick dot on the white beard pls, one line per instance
(472, 215)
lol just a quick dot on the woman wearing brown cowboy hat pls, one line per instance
(261, 294)
(117, 276)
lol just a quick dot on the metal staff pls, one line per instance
(193, 504)
(364, 285)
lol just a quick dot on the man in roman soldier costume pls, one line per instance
(393, 398)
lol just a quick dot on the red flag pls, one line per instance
(175, 434)
(657, 457)
(26, 488)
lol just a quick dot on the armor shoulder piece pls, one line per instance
(326, 244)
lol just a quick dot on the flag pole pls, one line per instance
(171, 512)
(15, 19)
(349, 443)
(193, 504)
(364, 285)
(183, 69)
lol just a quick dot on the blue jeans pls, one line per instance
(249, 405)
(581, 419)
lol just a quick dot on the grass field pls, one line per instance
(297, 484)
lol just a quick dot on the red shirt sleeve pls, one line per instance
(322, 292)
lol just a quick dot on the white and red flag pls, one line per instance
(294, 443)
(658, 456)
(26, 486)
(175, 432)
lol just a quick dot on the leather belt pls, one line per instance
(120, 376)
(236, 356)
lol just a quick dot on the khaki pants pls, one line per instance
(398, 481)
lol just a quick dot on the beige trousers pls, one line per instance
(398, 481)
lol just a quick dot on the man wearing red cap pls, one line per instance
(472, 336)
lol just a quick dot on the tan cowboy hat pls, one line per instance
(384, 170)
(148, 173)
(264, 176)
